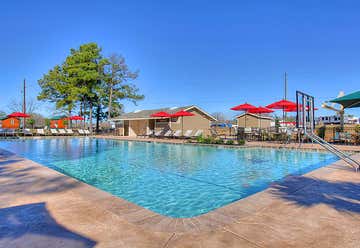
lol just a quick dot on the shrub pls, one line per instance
(217, 141)
(357, 129)
(229, 142)
(207, 140)
(241, 142)
(200, 139)
(321, 132)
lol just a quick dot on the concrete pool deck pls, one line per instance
(40, 207)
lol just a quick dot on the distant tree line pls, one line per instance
(89, 84)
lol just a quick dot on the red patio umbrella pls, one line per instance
(260, 110)
(244, 107)
(75, 118)
(282, 104)
(181, 114)
(161, 114)
(295, 109)
(19, 115)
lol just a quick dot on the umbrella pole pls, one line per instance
(245, 119)
(182, 125)
(260, 129)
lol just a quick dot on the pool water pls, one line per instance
(172, 180)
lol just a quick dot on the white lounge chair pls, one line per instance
(10, 132)
(188, 133)
(168, 134)
(81, 132)
(148, 133)
(87, 132)
(69, 131)
(198, 133)
(40, 131)
(177, 134)
(62, 131)
(159, 133)
(27, 131)
(54, 131)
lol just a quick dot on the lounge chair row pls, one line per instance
(42, 132)
(167, 133)
(67, 131)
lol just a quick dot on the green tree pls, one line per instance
(83, 69)
(118, 85)
(30, 122)
(87, 81)
(2, 114)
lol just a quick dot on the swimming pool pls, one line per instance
(172, 180)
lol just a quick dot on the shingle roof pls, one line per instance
(145, 114)
(256, 115)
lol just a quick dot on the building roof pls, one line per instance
(58, 117)
(6, 117)
(257, 116)
(145, 114)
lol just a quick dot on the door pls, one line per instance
(126, 128)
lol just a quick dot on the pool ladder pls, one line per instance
(345, 157)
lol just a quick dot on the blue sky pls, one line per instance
(215, 54)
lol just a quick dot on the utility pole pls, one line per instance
(24, 101)
(285, 88)
(285, 96)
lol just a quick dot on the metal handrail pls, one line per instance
(353, 163)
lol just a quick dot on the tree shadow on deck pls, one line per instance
(30, 180)
(305, 191)
(31, 225)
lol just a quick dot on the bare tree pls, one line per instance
(219, 116)
(16, 105)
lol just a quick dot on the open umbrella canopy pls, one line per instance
(260, 110)
(161, 114)
(294, 109)
(349, 101)
(243, 107)
(75, 118)
(282, 104)
(182, 113)
(19, 115)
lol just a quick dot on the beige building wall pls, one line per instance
(137, 127)
(196, 122)
(253, 121)
(199, 121)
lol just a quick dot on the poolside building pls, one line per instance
(254, 120)
(58, 122)
(140, 122)
(10, 122)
